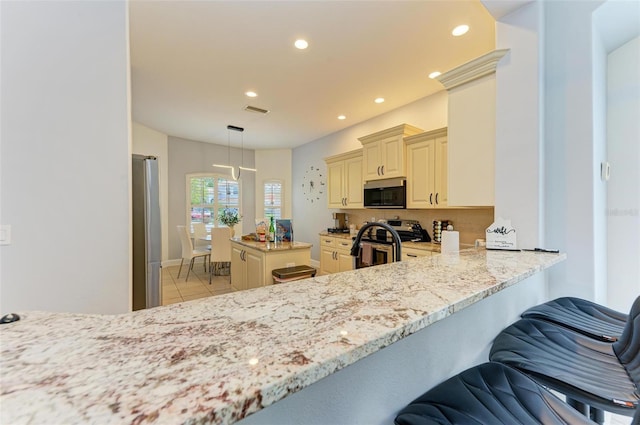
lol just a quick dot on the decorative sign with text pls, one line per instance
(501, 235)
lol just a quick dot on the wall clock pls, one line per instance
(313, 184)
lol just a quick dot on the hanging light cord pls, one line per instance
(241, 167)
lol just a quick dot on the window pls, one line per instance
(208, 194)
(273, 198)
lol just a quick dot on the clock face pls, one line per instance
(313, 184)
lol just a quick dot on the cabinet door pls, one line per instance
(328, 262)
(420, 178)
(354, 191)
(393, 155)
(345, 261)
(238, 279)
(327, 257)
(372, 161)
(335, 183)
(255, 269)
(441, 172)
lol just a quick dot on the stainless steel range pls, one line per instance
(380, 243)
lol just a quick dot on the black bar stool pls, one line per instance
(586, 317)
(599, 374)
(490, 393)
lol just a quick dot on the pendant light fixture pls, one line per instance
(241, 167)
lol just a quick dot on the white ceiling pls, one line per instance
(192, 61)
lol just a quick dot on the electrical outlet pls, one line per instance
(291, 264)
(5, 234)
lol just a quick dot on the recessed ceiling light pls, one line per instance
(434, 74)
(379, 100)
(301, 44)
(342, 117)
(460, 30)
(251, 94)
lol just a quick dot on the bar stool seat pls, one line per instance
(602, 375)
(490, 393)
(588, 318)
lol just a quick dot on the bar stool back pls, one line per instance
(599, 374)
(586, 317)
(490, 393)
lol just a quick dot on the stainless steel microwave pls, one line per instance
(387, 193)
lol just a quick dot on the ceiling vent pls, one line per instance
(250, 108)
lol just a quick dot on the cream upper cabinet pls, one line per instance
(344, 180)
(472, 130)
(384, 153)
(427, 165)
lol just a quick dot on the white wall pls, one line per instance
(519, 145)
(65, 162)
(623, 151)
(146, 141)
(273, 164)
(571, 171)
(428, 113)
(189, 156)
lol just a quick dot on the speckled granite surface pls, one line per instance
(270, 246)
(216, 360)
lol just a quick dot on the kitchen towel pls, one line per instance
(367, 253)
(450, 241)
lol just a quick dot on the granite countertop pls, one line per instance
(216, 360)
(270, 246)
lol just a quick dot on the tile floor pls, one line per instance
(176, 290)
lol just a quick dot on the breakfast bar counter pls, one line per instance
(218, 360)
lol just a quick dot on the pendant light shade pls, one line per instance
(229, 166)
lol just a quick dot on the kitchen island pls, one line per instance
(252, 262)
(217, 360)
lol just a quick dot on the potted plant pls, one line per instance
(230, 217)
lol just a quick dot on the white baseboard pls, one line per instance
(315, 264)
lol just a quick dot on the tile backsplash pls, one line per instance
(470, 222)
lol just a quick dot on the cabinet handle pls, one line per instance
(431, 198)
(412, 255)
(327, 240)
(382, 168)
(436, 198)
(378, 170)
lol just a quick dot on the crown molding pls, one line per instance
(472, 70)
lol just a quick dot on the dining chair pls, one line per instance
(188, 252)
(220, 247)
(199, 234)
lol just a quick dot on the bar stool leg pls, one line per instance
(597, 415)
(579, 406)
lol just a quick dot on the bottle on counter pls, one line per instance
(272, 230)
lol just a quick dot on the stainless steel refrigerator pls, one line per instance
(147, 240)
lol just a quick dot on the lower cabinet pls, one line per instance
(335, 254)
(251, 268)
(247, 268)
(412, 253)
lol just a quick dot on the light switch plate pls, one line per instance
(5, 234)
